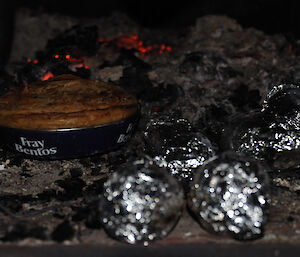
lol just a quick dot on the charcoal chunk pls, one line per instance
(76, 172)
(78, 41)
(72, 188)
(63, 231)
(207, 66)
(22, 229)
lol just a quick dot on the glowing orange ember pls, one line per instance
(129, 42)
(47, 76)
(102, 40)
(290, 49)
(126, 42)
(133, 42)
(76, 60)
(155, 108)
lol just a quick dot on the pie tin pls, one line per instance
(68, 143)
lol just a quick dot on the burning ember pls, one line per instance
(58, 59)
(47, 76)
(133, 42)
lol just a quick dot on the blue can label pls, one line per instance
(34, 147)
(125, 137)
(64, 144)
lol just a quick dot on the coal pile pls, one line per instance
(197, 83)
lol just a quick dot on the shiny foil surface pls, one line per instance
(264, 139)
(283, 105)
(175, 145)
(228, 195)
(274, 133)
(141, 203)
(282, 100)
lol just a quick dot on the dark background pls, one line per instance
(271, 16)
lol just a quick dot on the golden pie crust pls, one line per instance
(65, 101)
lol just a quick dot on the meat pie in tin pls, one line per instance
(66, 117)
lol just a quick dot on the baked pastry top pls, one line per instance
(65, 101)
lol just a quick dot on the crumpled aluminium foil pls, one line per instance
(264, 140)
(141, 203)
(283, 105)
(228, 195)
(282, 99)
(174, 145)
(276, 130)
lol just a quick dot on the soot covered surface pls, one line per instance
(205, 74)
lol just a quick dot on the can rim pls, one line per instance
(136, 114)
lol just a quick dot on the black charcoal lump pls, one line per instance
(206, 66)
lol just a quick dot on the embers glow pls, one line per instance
(34, 61)
(133, 42)
(102, 40)
(290, 51)
(73, 64)
(47, 76)
(122, 42)
(129, 42)
(70, 59)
